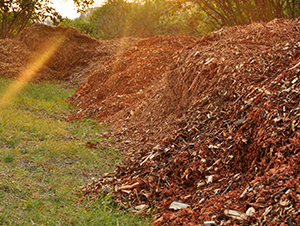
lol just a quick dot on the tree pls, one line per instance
(236, 12)
(143, 18)
(110, 20)
(15, 15)
(155, 17)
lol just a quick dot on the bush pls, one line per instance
(80, 24)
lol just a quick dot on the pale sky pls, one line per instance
(67, 8)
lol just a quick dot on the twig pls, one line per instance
(227, 188)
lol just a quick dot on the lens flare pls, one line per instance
(40, 58)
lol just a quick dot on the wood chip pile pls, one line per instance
(127, 78)
(76, 58)
(232, 154)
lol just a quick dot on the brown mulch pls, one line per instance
(127, 78)
(76, 58)
(12, 57)
(219, 133)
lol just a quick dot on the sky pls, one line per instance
(67, 8)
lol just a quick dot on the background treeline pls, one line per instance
(15, 15)
(144, 18)
(118, 18)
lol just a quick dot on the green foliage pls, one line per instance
(111, 20)
(118, 18)
(232, 12)
(105, 22)
(15, 15)
(80, 24)
(183, 18)
(144, 18)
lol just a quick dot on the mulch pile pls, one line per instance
(127, 78)
(216, 141)
(12, 57)
(76, 58)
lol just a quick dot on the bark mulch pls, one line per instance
(215, 141)
(76, 58)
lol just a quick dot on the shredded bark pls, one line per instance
(219, 132)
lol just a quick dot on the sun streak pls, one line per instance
(40, 58)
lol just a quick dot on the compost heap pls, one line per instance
(232, 156)
(76, 57)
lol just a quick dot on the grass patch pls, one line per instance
(8, 157)
(44, 161)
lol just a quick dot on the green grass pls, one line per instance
(44, 161)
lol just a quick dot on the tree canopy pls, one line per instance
(15, 15)
(238, 12)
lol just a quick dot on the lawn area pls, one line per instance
(44, 161)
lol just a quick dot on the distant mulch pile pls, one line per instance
(217, 140)
(127, 78)
(13, 55)
(76, 58)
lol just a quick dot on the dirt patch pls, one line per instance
(220, 133)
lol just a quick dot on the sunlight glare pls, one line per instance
(37, 62)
